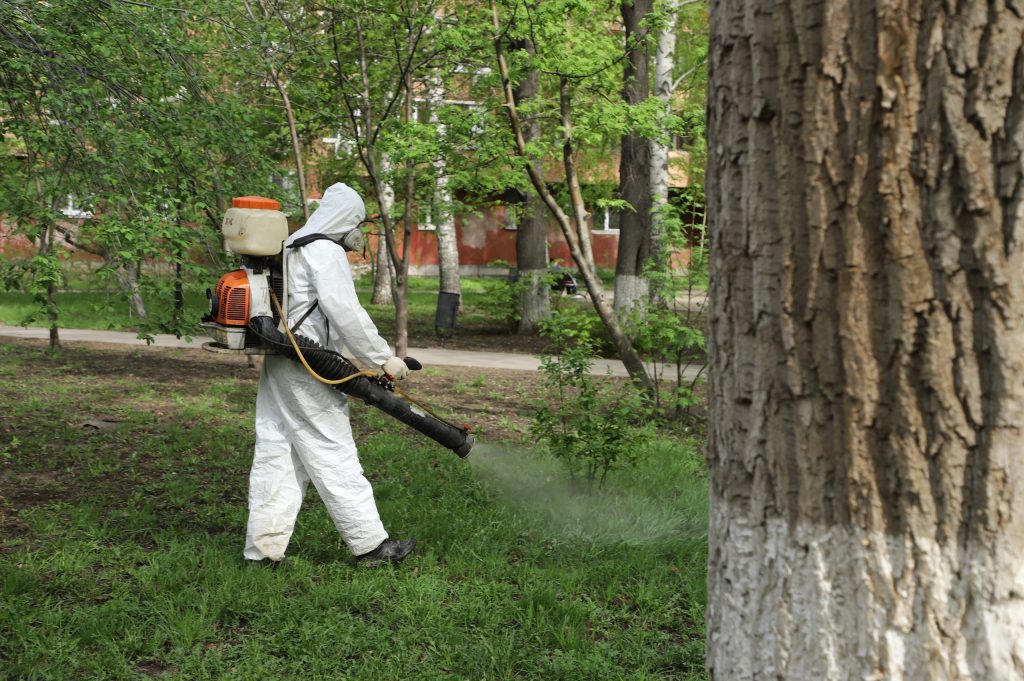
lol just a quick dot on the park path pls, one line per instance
(428, 356)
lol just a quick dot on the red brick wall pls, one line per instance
(483, 240)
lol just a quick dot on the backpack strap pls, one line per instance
(309, 311)
(310, 238)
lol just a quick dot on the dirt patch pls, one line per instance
(49, 452)
(487, 340)
(53, 402)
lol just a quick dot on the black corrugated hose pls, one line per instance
(333, 366)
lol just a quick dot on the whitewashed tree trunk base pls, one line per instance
(866, 340)
(868, 606)
(631, 291)
(534, 300)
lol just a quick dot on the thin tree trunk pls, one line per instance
(634, 169)
(866, 199)
(664, 61)
(46, 237)
(441, 210)
(51, 290)
(575, 230)
(408, 217)
(293, 131)
(296, 146)
(384, 281)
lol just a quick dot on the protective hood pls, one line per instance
(340, 211)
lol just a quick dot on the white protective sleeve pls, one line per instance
(332, 280)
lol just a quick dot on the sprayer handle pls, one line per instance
(413, 364)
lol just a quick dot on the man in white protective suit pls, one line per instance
(302, 426)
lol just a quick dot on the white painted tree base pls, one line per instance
(534, 300)
(805, 604)
(630, 290)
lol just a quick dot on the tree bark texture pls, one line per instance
(447, 240)
(534, 293)
(531, 230)
(866, 197)
(634, 167)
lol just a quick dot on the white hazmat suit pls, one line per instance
(302, 425)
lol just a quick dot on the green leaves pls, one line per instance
(116, 105)
(592, 426)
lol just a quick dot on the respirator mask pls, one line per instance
(352, 240)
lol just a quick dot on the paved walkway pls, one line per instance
(428, 356)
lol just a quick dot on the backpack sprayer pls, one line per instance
(248, 314)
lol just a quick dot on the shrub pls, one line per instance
(591, 426)
(663, 335)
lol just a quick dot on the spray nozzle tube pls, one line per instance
(348, 379)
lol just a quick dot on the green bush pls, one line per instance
(663, 335)
(591, 426)
(500, 301)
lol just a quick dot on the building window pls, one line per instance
(606, 221)
(513, 212)
(75, 211)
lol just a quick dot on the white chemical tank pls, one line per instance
(254, 226)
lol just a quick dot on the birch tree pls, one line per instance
(680, 78)
(866, 201)
(442, 216)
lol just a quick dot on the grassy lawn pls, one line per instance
(480, 323)
(483, 322)
(120, 547)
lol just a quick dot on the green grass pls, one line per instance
(120, 549)
(90, 309)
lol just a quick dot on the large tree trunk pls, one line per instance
(532, 229)
(866, 197)
(634, 169)
(534, 293)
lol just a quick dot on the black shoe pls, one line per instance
(265, 563)
(389, 551)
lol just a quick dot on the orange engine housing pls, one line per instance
(231, 299)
